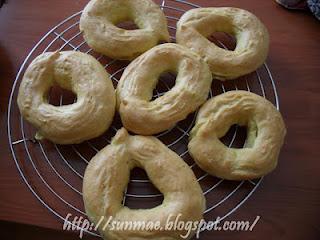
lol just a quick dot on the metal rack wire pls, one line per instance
(54, 173)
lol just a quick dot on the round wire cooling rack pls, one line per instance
(54, 173)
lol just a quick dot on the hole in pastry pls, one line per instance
(223, 40)
(127, 25)
(58, 96)
(237, 135)
(142, 188)
(166, 82)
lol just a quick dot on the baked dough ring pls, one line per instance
(108, 174)
(252, 39)
(265, 136)
(80, 73)
(98, 24)
(135, 88)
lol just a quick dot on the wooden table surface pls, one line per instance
(288, 200)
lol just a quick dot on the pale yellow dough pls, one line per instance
(196, 25)
(108, 174)
(265, 136)
(135, 88)
(88, 117)
(98, 24)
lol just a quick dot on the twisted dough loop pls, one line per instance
(102, 197)
(98, 24)
(196, 25)
(80, 73)
(134, 91)
(265, 136)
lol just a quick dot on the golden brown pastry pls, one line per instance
(100, 17)
(135, 88)
(108, 174)
(80, 73)
(265, 136)
(196, 25)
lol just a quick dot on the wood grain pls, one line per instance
(288, 200)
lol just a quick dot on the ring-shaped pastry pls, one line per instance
(80, 73)
(135, 89)
(196, 25)
(265, 136)
(108, 175)
(100, 17)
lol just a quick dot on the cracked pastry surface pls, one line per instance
(196, 25)
(88, 117)
(265, 136)
(108, 174)
(100, 17)
(134, 92)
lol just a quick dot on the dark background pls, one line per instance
(288, 200)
